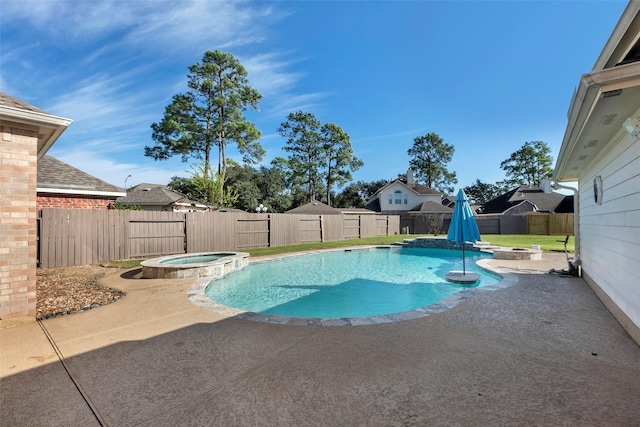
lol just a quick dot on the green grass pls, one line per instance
(382, 240)
(547, 244)
(125, 263)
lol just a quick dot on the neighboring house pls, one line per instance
(420, 208)
(402, 195)
(63, 186)
(525, 199)
(155, 197)
(314, 207)
(27, 133)
(601, 151)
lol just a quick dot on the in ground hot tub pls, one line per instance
(201, 264)
(518, 253)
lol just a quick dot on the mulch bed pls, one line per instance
(69, 290)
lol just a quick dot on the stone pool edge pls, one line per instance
(196, 294)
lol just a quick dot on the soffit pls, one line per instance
(605, 100)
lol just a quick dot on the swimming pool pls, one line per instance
(346, 284)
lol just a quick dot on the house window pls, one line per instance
(405, 199)
(390, 198)
(398, 194)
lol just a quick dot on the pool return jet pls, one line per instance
(463, 228)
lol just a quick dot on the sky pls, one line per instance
(486, 76)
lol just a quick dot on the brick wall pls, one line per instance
(18, 177)
(71, 202)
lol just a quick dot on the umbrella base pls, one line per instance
(462, 278)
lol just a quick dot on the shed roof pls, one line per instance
(431, 207)
(315, 207)
(156, 195)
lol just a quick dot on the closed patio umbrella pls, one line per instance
(463, 228)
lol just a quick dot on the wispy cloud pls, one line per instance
(204, 24)
(113, 66)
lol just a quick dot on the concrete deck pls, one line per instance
(544, 351)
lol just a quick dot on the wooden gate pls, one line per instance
(156, 233)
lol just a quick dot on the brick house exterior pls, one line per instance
(27, 133)
(62, 186)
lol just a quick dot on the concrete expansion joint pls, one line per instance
(76, 383)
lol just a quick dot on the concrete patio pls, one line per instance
(544, 351)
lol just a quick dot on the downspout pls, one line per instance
(576, 220)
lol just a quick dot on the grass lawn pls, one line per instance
(547, 244)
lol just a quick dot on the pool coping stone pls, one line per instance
(196, 294)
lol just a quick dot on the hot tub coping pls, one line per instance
(158, 268)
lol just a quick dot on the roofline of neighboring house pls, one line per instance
(81, 192)
(40, 119)
(196, 204)
(515, 206)
(591, 86)
(124, 202)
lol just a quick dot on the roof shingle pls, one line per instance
(54, 174)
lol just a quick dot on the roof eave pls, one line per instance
(589, 92)
(82, 192)
(621, 38)
(56, 124)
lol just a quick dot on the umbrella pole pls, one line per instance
(464, 268)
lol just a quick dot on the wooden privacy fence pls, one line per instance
(439, 223)
(550, 223)
(502, 224)
(69, 237)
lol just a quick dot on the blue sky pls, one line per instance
(485, 76)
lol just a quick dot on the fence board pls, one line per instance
(78, 237)
(285, 229)
(351, 226)
(155, 233)
(544, 223)
(310, 229)
(333, 228)
(252, 231)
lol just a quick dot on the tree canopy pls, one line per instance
(306, 156)
(480, 192)
(320, 156)
(340, 161)
(529, 165)
(429, 158)
(210, 114)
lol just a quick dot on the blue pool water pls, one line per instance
(342, 284)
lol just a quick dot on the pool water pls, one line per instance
(343, 284)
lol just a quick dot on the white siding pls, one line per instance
(610, 232)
